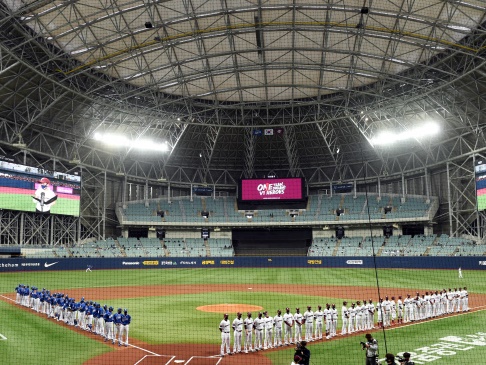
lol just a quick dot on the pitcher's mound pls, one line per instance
(229, 308)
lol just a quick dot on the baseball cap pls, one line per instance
(406, 355)
(45, 180)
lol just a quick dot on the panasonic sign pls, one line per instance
(130, 263)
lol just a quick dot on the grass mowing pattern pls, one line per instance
(413, 339)
(174, 318)
(394, 278)
(33, 340)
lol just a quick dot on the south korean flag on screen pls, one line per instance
(269, 132)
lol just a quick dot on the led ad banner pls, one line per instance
(480, 175)
(271, 189)
(32, 189)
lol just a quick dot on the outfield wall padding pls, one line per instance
(22, 264)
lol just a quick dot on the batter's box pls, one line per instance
(156, 360)
(203, 360)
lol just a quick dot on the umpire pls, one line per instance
(371, 347)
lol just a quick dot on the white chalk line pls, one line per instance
(143, 358)
(473, 310)
(219, 358)
(137, 347)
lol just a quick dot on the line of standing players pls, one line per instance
(87, 315)
(267, 332)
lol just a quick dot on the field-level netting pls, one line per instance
(176, 315)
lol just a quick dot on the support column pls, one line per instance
(449, 197)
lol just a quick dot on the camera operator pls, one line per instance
(371, 347)
(302, 354)
(405, 359)
(390, 359)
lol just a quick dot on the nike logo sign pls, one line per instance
(47, 265)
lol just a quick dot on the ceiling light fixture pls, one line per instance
(118, 140)
(424, 130)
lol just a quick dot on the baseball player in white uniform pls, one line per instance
(459, 272)
(450, 299)
(309, 324)
(428, 305)
(400, 309)
(465, 303)
(248, 333)
(393, 307)
(298, 320)
(358, 326)
(386, 307)
(237, 334)
(328, 319)
(352, 318)
(288, 319)
(462, 299)
(268, 325)
(345, 318)
(334, 320)
(224, 327)
(259, 326)
(380, 310)
(371, 315)
(278, 321)
(407, 303)
(455, 301)
(319, 319)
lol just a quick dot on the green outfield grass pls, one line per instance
(174, 318)
(394, 278)
(418, 339)
(24, 202)
(32, 340)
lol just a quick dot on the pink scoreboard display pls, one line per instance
(271, 189)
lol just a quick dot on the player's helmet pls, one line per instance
(119, 310)
(309, 307)
(45, 180)
(248, 313)
(125, 310)
(238, 314)
(297, 309)
(105, 306)
(110, 309)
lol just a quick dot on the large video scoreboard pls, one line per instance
(272, 192)
(480, 175)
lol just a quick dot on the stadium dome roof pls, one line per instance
(244, 87)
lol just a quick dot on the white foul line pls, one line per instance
(140, 348)
(2, 337)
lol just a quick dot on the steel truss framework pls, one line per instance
(54, 95)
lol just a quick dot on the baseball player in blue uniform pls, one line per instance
(126, 320)
(101, 322)
(17, 293)
(117, 322)
(81, 313)
(96, 318)
(108, 317)
(89, 317)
